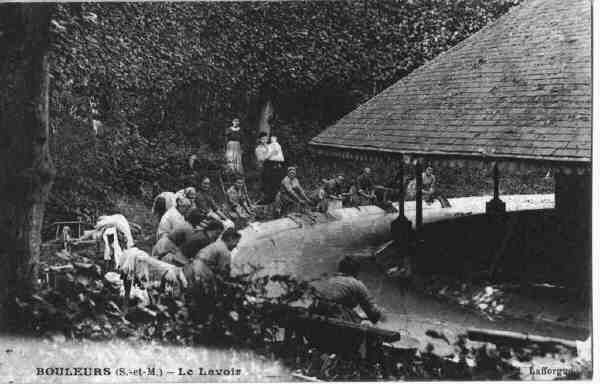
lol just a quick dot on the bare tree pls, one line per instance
(26, 168)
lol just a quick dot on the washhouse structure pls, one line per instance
(514, 95)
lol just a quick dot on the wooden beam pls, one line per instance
(419, 195)
(515, 338)
(300, 318)
(302, 377)
(496, 182)
(306, 320)
(400, 182)
(496, 206)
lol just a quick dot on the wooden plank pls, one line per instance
(302, 377)
(299, 317)
(508, 337)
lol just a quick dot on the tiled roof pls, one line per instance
(519, 88)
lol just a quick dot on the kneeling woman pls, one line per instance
(211, 264)
(338, 295)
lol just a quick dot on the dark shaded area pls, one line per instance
(524, 247)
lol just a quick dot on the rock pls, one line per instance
(56, 337)
(470, 362)
(584, 349)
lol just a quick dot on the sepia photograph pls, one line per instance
(296, 191)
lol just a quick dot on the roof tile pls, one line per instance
(519, 87)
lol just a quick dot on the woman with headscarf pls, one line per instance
(174, 218)
(233, 151)
(189, 193)
(291, 194)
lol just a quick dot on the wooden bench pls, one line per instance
(66, 234)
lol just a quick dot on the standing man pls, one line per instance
(276, 162)
(262, 149)
(262, 153)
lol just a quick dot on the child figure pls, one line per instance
(275, 151)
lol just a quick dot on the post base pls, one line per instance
(495, 207)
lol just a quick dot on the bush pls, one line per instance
(92, 170)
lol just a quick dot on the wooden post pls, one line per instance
(496, 182)
(400, 182)
(496, 206)
(419, 195)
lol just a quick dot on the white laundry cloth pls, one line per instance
(133, 266)
(136, 263)
(115, 245)
(121, 223)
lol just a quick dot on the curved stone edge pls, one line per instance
(266, 237)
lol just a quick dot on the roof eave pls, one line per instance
(577, 162)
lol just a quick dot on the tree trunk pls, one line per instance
(266, 113)
(26, 169)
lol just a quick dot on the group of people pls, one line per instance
(235, 212)
(282, 189)
(362, 191)
(197, 236)
(358, 192)
(187, 238)
(270, 161)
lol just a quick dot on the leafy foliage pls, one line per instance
(92, 169)
(148, 70)
(82, 304)
(185, 64)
